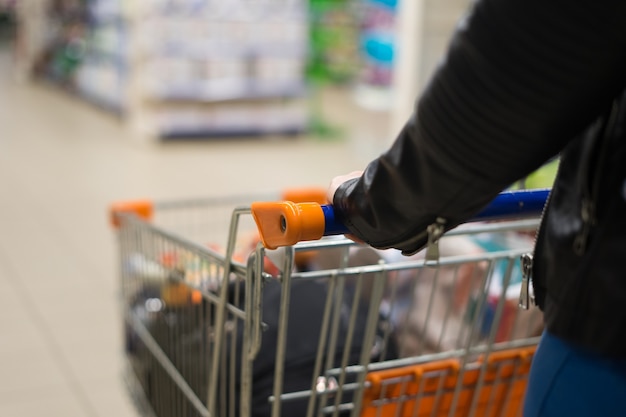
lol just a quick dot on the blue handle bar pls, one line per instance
(507, 205)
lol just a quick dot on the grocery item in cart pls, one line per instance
(168, 308)
(305, 321)
(430, 315)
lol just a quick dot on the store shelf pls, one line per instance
(190, 133)
(150, 59)
(223, 92)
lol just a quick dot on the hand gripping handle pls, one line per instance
(286, 223)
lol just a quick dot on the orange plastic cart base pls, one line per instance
(496, 391)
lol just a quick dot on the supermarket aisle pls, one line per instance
(61, 164)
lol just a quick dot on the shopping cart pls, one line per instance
(218, 325)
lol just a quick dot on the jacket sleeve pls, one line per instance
(519, 79)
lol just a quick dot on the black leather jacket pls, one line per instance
(523, 81)
(579, 269)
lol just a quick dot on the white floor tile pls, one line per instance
(55, 401)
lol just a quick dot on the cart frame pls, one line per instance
(329, 383)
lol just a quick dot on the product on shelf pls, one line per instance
(377, 40)
(334, 39)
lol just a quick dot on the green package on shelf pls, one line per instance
(334, 33)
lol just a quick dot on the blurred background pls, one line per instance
(107, 100)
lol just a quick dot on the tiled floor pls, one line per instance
(61, 164)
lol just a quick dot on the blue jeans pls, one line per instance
(568, 381)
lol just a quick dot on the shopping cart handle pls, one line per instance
(515, 204)
(286, 223)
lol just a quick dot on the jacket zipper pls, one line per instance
(591, 187)
(525, 297)
(435, 231)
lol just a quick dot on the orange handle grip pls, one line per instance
(142, 208)
(286, 223)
